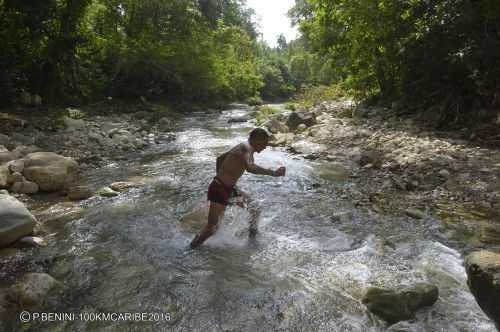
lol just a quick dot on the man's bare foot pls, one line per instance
(252, 232)
(196, 242)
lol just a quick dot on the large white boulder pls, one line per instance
(52, 172)
(15, 220)
(483, 272)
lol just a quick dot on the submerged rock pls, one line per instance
(60, 215)
(79, 193)
(400, 304)
(122, 186)
(444, 173)
(237, 119)
(342, 216)
(196, 219)
(33, 288)
(415, 213)
(483, 272)
(490, 234)
(16, 220)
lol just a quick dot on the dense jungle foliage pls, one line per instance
(76, 51)
(442, 55)
(89, 49)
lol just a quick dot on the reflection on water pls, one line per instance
(303, 272)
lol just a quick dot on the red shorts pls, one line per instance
(219, 192)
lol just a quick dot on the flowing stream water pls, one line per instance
(305, 270)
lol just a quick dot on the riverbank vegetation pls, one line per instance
(442, 56)
(194, 51)
(82, 50)
(436, 55)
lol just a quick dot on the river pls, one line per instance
(306, 269)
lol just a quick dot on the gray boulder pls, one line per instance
(166, 123)
(16, 220)
(369, 157)
(399, 304)
(275, 126)
(50, 171)
(15, 177)
(79, 193)
(483, 272)
(16, 166)
(5, 155)
(4, 140)
(122, 186)
(25, 187)
(23, 150)
(73, 124)
(21, 138)
(4, 177)
(300, 117)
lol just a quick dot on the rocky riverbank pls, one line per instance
(43, 153)
(92, 136)
(401, 167)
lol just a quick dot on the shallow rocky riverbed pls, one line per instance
(374, 213)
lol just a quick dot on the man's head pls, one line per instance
(258, 139)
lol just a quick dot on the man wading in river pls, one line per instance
(230, 167)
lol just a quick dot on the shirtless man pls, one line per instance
(230, 167)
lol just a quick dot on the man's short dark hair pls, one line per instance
(258, 134)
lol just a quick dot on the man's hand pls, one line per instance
(280, 171)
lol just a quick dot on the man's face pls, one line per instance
(260, 145)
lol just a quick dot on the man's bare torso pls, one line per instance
(232, 164)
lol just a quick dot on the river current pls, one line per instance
(305, 270)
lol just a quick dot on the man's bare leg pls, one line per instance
(215, 212)
(254, 212)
